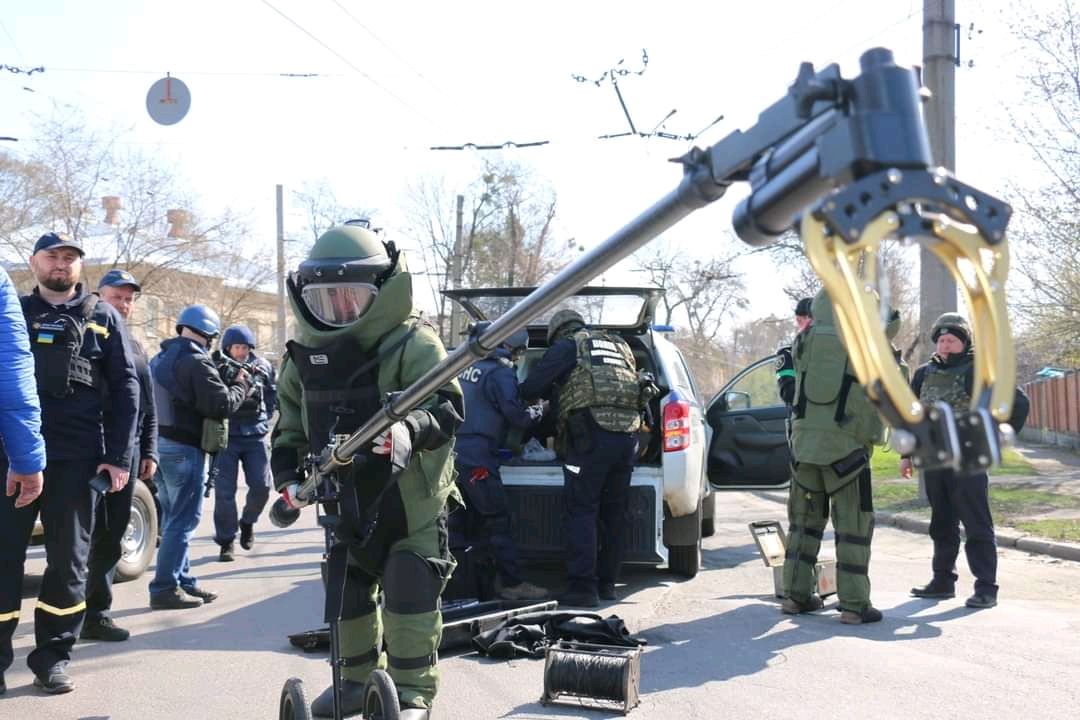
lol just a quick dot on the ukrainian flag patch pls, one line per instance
(46, 338)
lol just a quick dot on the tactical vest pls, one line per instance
(604, 381)
(57, 340)
(832, 415)
(946, 384)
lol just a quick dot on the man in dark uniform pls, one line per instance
(955, 497)
(192, 403)
(591, 379)
(248, 428)
(785, 366)
(81, 357)
(492, 407)
(119, 288)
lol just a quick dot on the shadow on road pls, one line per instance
(752, 641)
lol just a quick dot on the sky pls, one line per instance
(395, 78)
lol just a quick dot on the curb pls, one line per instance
(1006, 537)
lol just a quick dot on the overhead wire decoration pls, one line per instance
(612, 75)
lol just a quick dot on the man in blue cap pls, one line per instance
(120, 289)
(82, 364)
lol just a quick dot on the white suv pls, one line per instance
(669, 496)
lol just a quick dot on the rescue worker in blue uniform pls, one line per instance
(590, 377)
(22, 450)
(193, 404)
(955, 497)
(492, 407)
(119, 288)
(81, 358)
(248, 430)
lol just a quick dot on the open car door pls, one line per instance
(749, 449)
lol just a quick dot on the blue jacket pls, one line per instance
(551, 372)
(20, 411)
(492, 406)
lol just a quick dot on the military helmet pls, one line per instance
(954, 324)
(343, 273)
(200, 319)
(561, 321)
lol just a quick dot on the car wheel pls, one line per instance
(140, 539)
(685, 560)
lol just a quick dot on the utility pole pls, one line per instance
(282, 333)
(455, 272)
(937, 289)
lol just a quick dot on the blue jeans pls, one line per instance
(180, 492)
(250, 450)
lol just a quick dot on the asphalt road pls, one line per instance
(718, 645)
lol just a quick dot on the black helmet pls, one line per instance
(803, 307)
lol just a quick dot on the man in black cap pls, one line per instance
(785, 367)
(120, 289)
(81, 361)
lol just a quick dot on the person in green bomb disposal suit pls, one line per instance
(358, 338)
(833, 430)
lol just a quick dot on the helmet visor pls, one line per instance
(338, 304)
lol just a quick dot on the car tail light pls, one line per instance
(676, 425)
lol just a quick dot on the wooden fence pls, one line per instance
(1055, 410)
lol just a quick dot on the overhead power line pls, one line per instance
(348, 62)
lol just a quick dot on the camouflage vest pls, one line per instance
(947, 385)
(604, 381)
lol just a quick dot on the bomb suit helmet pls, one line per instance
(340, 279)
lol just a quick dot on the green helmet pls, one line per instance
(343, 273)
(561, 323)
(953, 324)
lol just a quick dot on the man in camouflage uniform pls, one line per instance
(956, 498)
(358, 338)
(590, 377)
(833, 430)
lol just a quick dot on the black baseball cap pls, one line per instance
(51, 240)
(119, 278)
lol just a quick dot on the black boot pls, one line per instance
(936, 589)
(226, 554)
(247, 535)
(352, 699)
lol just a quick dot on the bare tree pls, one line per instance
(508, 235)
(700, 295)
(60, 187)
(1048, 224)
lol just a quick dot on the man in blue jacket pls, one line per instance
(82, 361)
(248, 428)
(192, 400)
(120, 289)
(492, 406)
(22, 457)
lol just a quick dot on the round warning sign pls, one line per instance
(168, 101)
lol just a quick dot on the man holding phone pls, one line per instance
(120, 289)
(81, 361)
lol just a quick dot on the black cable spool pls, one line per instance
(593, 672)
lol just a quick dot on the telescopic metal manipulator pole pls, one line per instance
(850, 161)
